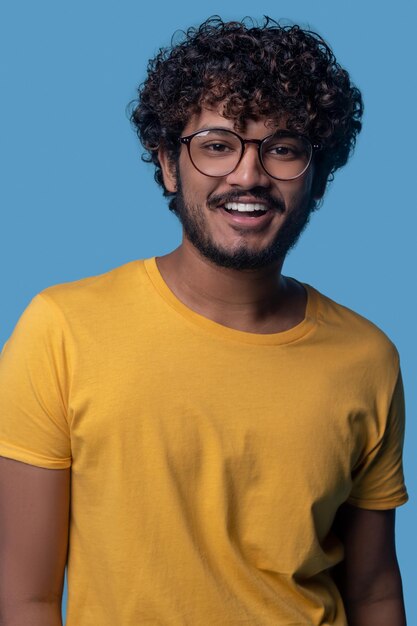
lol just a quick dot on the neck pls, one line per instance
(260, 301)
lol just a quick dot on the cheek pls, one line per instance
(188, 175)
(300, 191)
(196, 188)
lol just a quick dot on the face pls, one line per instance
(209, 214)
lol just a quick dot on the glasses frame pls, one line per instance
(186, 140)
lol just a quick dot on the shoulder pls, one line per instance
(351, 332)
(113, 288)
(82, 307)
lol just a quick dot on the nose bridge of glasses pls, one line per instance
(249, 169)
(257, 143)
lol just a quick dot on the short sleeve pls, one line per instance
(378, 481)
(34, 389)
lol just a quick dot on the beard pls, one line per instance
(242, 257)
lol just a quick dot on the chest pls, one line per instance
(271, 415)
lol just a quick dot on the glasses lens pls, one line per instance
(215, 152)
(285, 155)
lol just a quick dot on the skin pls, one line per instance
(34, 515)
(369, 577)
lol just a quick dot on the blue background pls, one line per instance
(76, 200)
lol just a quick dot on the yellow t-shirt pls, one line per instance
(207, 463)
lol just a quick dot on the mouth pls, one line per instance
(251, 210)
(250, 216)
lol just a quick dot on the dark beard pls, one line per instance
(241, 258)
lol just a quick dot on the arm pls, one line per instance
(369, 578)
(34, 511)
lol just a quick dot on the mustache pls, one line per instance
(256, 194)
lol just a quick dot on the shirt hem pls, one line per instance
(24, 456)
(379, 505)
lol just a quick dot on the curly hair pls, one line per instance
(270, 71)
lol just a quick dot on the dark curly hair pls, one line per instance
(269, 71)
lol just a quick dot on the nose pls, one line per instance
(249, 172)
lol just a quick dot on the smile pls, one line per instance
(251, 209)
(250, 216)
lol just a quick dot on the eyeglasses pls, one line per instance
(217, 152)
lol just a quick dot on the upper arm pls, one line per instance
(34, 512)
(377, 476)
(370, 565)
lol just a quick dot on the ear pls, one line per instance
(168, 171)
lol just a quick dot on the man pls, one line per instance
(233, 437)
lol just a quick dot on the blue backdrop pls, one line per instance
(76, 200)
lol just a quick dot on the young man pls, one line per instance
(233, 437)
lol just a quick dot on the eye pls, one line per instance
(286, 147)
(216, 147)
(215, 143)
(283, 151)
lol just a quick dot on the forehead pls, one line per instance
(211, 118)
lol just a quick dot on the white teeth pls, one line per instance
(245, 206)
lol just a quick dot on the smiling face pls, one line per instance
(246, 219)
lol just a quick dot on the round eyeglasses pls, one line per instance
(217, 152)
